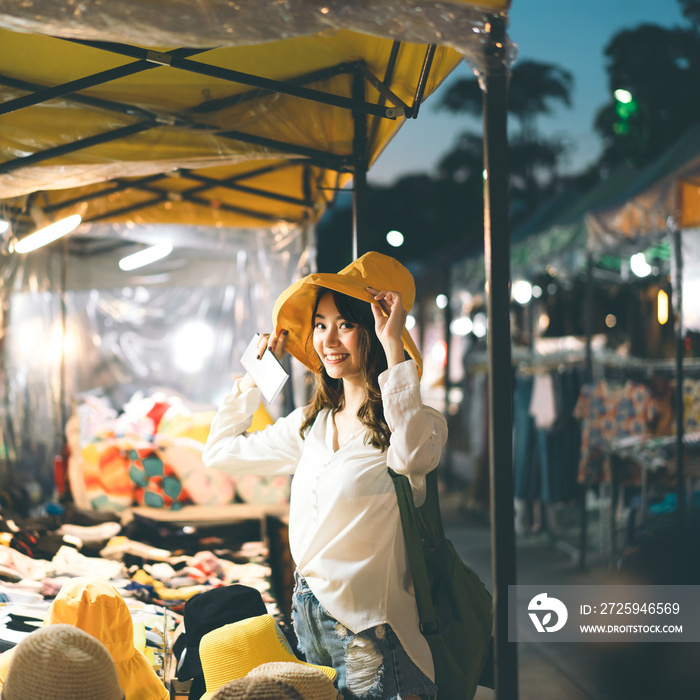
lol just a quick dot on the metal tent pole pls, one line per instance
(588, 327)
(678, 314)
(359, 178)
(500, 391)
(448, 463)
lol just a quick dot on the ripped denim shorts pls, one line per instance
(371, 665)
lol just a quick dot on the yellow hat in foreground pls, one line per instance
(233, 650)
(96, 606)
(294, 307)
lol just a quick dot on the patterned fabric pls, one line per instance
(156, 483)
(608, 412)
(107, 483)
(691, 405)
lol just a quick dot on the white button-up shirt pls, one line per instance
(345, 530)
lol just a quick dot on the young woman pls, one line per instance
(353, 606)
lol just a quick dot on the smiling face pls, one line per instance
(337, 342)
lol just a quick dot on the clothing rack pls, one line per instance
(545, 364)
(571, 353)
(638, 363)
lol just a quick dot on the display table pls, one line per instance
(265, 523)
(654, 462)
(157, 558)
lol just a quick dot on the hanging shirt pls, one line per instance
(610, 411)
(345, 531)
(542, 407)
(691, 405)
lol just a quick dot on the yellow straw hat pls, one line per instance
(293, 308)
(232, 651)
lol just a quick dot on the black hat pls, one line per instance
(208, 611)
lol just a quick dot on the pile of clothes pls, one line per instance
(226, 645)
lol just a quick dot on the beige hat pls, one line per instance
(257, 688)
(61, 662)
(311, 683)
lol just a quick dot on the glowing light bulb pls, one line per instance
(145, 256)
(395, 238)
(639, 265)
(662, 307)
(522, 291)
(48, 234)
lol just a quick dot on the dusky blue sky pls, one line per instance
(570, 34)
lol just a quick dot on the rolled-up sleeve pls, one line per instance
(418, 432)
(274, 450)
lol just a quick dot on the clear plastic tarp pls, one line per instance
(206, 23)
(73, 326)
(664, 196)
(159, 143)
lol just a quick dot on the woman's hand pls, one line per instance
(275, 343)
(390, 326)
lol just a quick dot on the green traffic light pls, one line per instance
(625, 107)
(625, 110)
(622, 95)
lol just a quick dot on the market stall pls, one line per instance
(662, 202)
(571, 249)
(254, 121)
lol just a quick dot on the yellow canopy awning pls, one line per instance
(244, 134)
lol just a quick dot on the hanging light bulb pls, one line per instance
(145, 256)
(48, 234)
(522, 292)
(662, 307)
(639, 265)
(395, 238)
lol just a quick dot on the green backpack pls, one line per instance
(454, 606)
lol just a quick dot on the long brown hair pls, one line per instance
(329, 391)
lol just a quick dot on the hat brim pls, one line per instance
(206, 612)
(191, 666)
(327, 671)
(293, 308)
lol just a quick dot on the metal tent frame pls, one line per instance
(355, 163)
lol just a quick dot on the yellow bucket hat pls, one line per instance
(232, 651)
(293, 308)
(96, 606)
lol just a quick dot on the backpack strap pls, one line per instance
(429, 624)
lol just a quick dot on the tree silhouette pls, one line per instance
(661, 68)
(691, 11)
(534, 89)
(441, 216)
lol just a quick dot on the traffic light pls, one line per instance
(625, 108)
